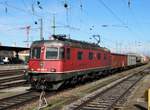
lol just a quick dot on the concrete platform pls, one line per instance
(13, 67)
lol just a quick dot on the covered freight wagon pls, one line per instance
(132, 60)
(118, 61)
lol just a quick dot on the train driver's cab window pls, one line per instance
(51, 53)
(68, 53)
(90, 55)
(36, 53)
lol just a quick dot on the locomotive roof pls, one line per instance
(62, 40)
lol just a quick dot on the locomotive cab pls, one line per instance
(46, 59)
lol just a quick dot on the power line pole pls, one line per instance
(117, 47)
(27, 29)
(41, 29)
(54, 26)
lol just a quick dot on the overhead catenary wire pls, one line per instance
(6, 9)
(135, 34)
(19, 9)
(81, 10)
(37, 15)
(136, 21)
(118, 18)
(112, 12)
(25, 5)
(23, 10)
(81, 30)
(30, 9)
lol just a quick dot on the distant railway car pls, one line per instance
(118, 61)
(132, 60)
(143, 59)
(60, 61)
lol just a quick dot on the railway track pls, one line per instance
(4, 73)
(11, 78)
(21, 99)
(12, 84)
(107, 98)
(17, 100)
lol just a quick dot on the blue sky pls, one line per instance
(127, 30)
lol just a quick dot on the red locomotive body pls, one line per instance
(83, 59)
(59, 61)
(118, 61)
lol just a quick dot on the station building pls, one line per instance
(13, 54)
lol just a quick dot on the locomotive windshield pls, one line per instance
(54, 53)
(36, 53)
(51, 53)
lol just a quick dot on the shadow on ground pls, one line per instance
(140, 107)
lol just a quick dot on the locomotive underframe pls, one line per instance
(53, 81)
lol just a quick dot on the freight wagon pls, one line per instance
(132, 60)
(118, 61)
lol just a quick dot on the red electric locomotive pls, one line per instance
(61, 61)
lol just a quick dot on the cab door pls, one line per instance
(67, 61)
(35, 57)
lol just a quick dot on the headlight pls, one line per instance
(53, 70)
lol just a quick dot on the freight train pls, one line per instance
(61, 61)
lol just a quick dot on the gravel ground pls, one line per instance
(58, 101)
(137, 100)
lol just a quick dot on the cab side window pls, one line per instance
(36, 52)
(98, 56)
(80, 55)
(90, 55)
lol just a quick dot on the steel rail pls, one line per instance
(16, 100)
(106, 99)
